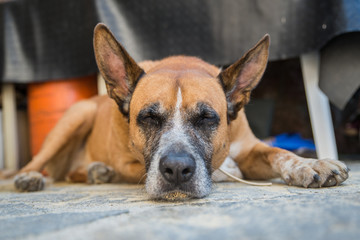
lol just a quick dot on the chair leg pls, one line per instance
(101, 85)
(319, 107)
(10, 134)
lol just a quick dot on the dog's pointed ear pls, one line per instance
(241, 77)
(120, 71)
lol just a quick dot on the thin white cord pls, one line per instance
(244, 181)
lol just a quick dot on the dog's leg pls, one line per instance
(75, 124)
(264, 162)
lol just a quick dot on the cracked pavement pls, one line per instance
(231, 211)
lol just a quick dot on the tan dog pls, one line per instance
(171, 122)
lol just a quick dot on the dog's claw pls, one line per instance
(316, 181)
(287, 179)
(29, 181)
(317, 178)
(330, 181)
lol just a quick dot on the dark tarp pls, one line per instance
(340, 68)
(46, 40)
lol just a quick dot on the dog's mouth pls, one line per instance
(176, 195)
(164, 191)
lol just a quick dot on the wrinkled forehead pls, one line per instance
(162, 87)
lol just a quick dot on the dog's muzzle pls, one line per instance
(177, 169)
(178, 175)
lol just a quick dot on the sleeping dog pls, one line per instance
(170, 124)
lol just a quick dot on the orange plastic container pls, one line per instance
(48, 101)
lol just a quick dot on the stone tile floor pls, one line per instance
(232, 211)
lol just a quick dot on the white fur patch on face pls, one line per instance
(177, 121)
(178, 101)
(177, 133)
(177, 139)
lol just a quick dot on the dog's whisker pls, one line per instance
(142, 177)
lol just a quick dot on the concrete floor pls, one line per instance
(232, 211)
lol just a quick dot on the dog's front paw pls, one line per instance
(29, 181)
(314, 173)
(99, 172)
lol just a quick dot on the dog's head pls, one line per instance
(179, 111)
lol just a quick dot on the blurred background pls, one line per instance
(307, 101)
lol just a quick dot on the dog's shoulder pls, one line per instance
(103, 104)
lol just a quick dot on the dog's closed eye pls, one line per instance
(205, 116)
(152, 119)
(150, 116)
(208, 118)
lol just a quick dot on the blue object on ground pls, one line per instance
(292, 141)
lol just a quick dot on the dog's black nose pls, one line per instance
(177, 167)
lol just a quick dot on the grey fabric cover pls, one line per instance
(340, 68)
(48, 40)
